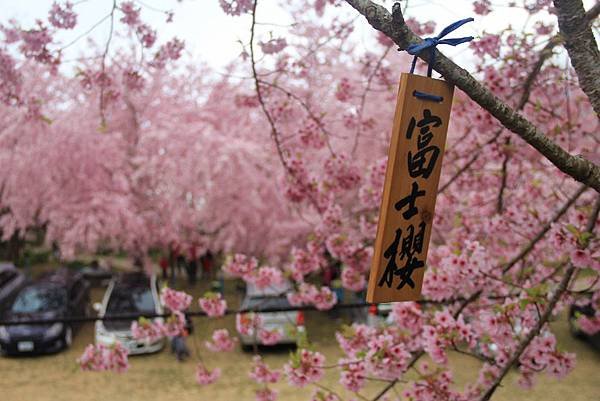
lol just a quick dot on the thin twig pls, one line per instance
(559, 213)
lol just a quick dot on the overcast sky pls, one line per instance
(211, 36)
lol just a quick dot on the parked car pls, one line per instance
(128, 293)
(11, 281)
(288, 323)
(96, 274)
(575, 312)
(379, 314)
(55, 296)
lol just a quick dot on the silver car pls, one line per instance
(289, 323)
(129, 293)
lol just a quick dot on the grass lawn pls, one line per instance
(161, 377)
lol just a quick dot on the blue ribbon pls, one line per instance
(431, 43)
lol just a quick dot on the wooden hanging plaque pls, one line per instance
(411, 183)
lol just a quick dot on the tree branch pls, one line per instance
(560, 290)
(420, 353)
(581, 46)
(544, 55)
(394, 27)
(559, 213)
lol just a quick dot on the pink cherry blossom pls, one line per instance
(589, 325)
(62, 16)
(304, 367)
(240, 266)
(174, 325)
(482, 7)
(146, 35)
(175, 300)
(261, 373)
(131, 13)
(266, 394)
(354, 339)
(344, 90)
(273, 46)
(353, 375)
(221, 341)
(10, 79)
(247, 323)
(385, 358)
(353, 279)
(205, 376)
(147, 330)
(101, 357)
(265, 277)
(236, 7)
(212, 304)
(270, 337)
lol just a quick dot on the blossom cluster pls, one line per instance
(304, 367)
(213, 304)
(102, 357)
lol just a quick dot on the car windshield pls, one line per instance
(131, 300)
(6, 276)
(262, 303)
(39, 299)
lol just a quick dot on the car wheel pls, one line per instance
(68, 338)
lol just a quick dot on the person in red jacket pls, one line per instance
(164, 266)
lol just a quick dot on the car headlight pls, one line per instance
(54, 330)
(4, 336)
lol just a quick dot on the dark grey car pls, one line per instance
(11, 281)
(55, 296)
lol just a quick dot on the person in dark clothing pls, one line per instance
(164, 267)
(207, 261)
(192, 266)
(178, 345)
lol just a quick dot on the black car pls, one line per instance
(11, 281)
(577, 311)
(55, 296)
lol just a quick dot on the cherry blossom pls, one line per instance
(304, 367)
(62, 16)
(221, 341)
(147, 330)
(261, 373)
(205, 376)
(248, 323)
(174, 325)
(273, 46)
(101, 357)
(266, 394)
(175, 300)
(213, 304)
(270, 337)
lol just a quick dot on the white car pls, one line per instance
(289, 323)
(128, 293)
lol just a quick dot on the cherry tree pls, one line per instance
(283, 161)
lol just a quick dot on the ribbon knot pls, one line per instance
(431, 43)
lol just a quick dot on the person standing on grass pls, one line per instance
(192, 265)
(207, 261)
(164, 266)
